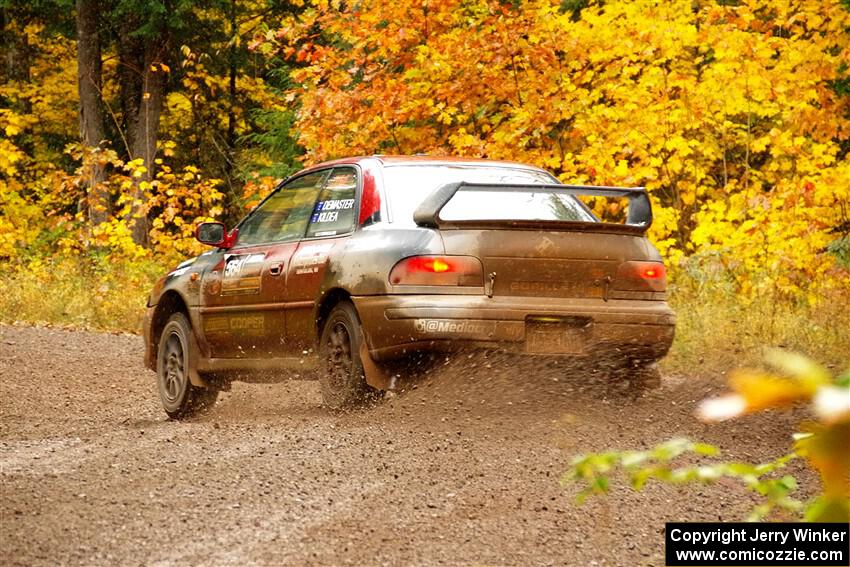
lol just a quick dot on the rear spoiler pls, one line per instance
(639, 216)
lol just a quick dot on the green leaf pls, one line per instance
(639, 479)
(789, 482)
(671, 449)
(600, 484)
(741, 469)
(706, 449)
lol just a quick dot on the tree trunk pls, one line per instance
(143, 106)
(17, 48)
(131, 60)
(89, 70)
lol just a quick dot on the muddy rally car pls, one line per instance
(351, 265)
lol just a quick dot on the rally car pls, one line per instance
(355, 263)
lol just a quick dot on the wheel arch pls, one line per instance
(329, 300)
(169, 303)
(376, 377)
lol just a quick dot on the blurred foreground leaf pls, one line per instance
(824, 444)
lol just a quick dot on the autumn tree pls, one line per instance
(724, 111)
(156, 87)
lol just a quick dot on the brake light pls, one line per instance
(438, 270)
(641, 276)
(652, 272)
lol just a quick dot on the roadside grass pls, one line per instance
(89, 293)
(716, 330)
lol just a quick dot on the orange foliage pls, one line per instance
(724, 112)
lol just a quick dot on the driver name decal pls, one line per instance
(335, 205)
(328, 211)
(330, 216)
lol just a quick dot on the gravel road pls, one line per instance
(462, 470)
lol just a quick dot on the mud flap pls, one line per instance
(376, 376)
(194, 377)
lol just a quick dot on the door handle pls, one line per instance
(276, 269)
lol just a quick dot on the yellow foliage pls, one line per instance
(724, 112)
(173, 201)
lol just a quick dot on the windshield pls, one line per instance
(409, 185)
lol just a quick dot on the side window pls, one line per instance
(335, 211)
(285, 214)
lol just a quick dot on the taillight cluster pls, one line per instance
(438, 270)
(641, 276)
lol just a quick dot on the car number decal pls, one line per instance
(242, 273)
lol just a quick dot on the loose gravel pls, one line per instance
(461, 468)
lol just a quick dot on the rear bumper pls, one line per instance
(398, 324)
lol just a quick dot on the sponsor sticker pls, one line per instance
(308, 259)
(443, 326)
(246, 324)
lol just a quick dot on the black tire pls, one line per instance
(176, 354)
(341, 376)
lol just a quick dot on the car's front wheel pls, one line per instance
(177, 348)
(342, 379)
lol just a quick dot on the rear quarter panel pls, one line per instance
(363, 265)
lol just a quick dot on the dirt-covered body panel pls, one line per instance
(527, 287)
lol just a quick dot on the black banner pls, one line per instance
(741, 544)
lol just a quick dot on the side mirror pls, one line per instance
(211, 233)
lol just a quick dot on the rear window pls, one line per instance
(409, 185)
(481, 204)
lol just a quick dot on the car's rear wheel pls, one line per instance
(176, 353)
(342, 379)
